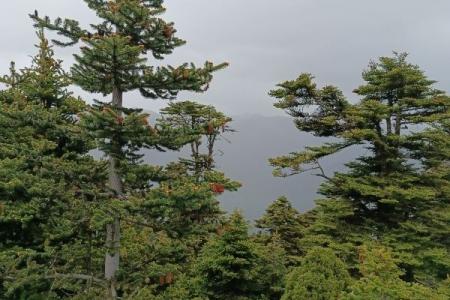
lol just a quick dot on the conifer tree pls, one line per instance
(50, 189)
(320, 276)
(231, 266)
(274, 267)
(190, 186)
(184, 204)
(381, 279)
(113, 62)
(282, 221)
(395, 195)
(46, 81)
(207, 125)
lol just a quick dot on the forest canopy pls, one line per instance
(78, 226)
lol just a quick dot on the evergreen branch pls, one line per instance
(67, 276)
(77, 276)
(68, 28)
(166, 82)
(295, 161)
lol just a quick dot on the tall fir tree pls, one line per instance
(395, 195)
(196, 209)
(113, 62)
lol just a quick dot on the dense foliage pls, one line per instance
(76, 224)
(397, 194)
(52, 192)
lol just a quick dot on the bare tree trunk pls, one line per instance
(112, 256)
(113, 229)
(388, 126)
(398, 123)
(210, 162)
(388, 119)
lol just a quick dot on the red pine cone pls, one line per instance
(119, 120)
(166, 279)
(168, 31)
(217, 188)
(169, 278)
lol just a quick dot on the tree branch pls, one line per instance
(77, 276)
(322, 172)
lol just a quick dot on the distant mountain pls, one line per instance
(245, 158)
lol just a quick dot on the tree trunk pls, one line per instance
(398, 123)
(113, 229)
(388, 126)
(388, 119)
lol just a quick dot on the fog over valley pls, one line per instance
(245, 159)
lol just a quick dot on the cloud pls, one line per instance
(269, 41)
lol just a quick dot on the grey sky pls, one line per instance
(269, 41)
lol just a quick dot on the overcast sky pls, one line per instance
(268, 41)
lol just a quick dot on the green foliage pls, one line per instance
(51, 191)
(226, 263)
(112, 61)
(57, 209)
(320, 276)
(381, 279)
(397, 193)
(283, 224)
(273, 268)
(113, 55)
(204, 123)
(231, 266)
(46, 81)
(318, 111)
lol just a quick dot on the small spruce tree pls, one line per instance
(231, 266)
(320, 276)
(282, 221)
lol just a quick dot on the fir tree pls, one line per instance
(46, 81)
(231, 266)
(206, 124)
(381, 279)
(282, 221)
(397, 195)
(113, 62)
(51, 191)
(184, 204)
(273, 270)
(320, 276)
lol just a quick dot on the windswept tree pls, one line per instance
(396, 193)
(206, 124)
(185, 203)
(113, 61)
